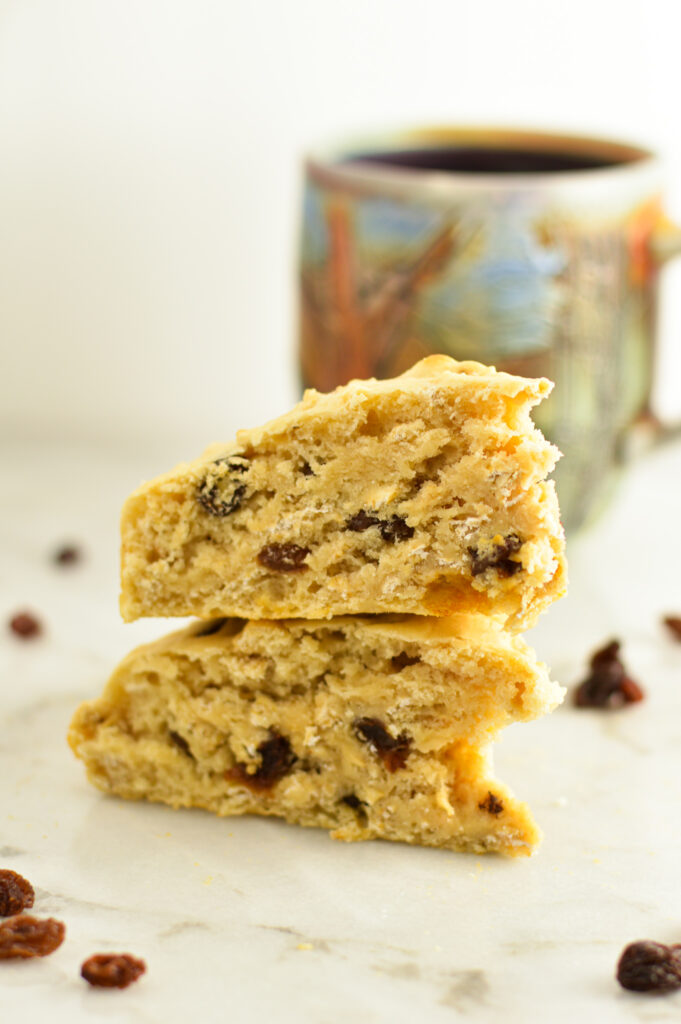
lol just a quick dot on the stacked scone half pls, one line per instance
(360, 569)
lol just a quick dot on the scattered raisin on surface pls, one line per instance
(403, 660)
(607, 685)
(393, 752)
(492, 804)
(498, 557)
(673, 624)
(25, 625)
(25, 936)
(650, 967)
(276, 760)
(210, 628)
(180, 742)
(16, 893)
(224, 495)
(112, 970)
(283, 557)
(67, 554)
(306, 469)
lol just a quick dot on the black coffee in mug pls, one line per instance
(487, 160)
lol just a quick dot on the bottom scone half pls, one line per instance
(369, 727)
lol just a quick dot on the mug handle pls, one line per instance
(665, 243)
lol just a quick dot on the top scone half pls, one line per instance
(424, 494)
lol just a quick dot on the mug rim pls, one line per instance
(333, 165)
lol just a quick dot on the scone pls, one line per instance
(424, 494)
(367, 727)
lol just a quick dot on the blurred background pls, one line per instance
(150, 179)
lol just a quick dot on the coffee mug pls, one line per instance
(535, 252)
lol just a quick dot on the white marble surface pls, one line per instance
(250, 920)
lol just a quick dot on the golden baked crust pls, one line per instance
(425, 494)
(367, 727)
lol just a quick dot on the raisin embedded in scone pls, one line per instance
(424, 494)
(371, 728)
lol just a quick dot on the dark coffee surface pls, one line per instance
(487, 160)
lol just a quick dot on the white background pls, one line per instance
(150, 177)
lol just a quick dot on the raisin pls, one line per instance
(393, 752)
(25, 625)
(25, 936)
(16, 893)
(306, 469)
(396, 529)
(607, 685)
(391, 530)
(673, 624)
(353, 801)
(358, 806)
(498, 557)
(211, 627)
(650, 967)
(222, 492)
(283, 557)
(403, 660)
(276, 760)
(180, 742)
(492, 804)
(68, 554)
(112, 970)
(361, 521)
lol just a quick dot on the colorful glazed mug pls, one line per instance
(535, 252)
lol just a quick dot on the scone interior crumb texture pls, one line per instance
(424, 494)
(366, 727)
